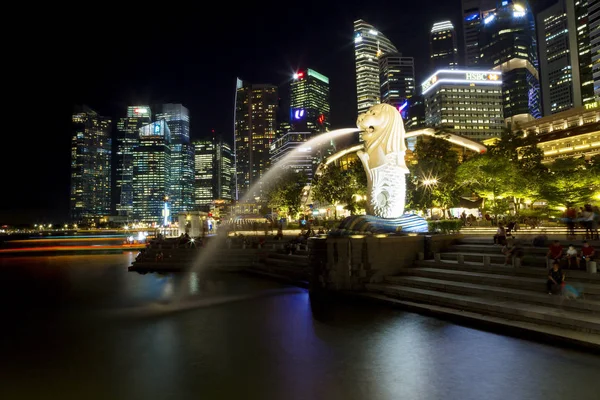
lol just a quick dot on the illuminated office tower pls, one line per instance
(255, 129)
(309, 101)
(213, 168)
(152, 173)
(474, 12)
(465, 102)
(90, 166)
(302, 159)
(565, 58)
(594, 26)
(128, 134)
(204, 171)
(508, 44)
(443, 48)
(182, 156)
(397, 79)
(224, 166)
(369, 45)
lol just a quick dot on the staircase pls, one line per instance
(470, 280)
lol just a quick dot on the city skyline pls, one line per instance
(125, 77)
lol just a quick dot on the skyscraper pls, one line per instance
(466, 102)
(255, 128)
(309, 101)
(303, 159)
(128, 134)
(182, 156)
(369, 45)
(474, 12)
(152, 174)
(213, 161)
(443, 48)
(396, 79)
(204, 154)
(508, 44)
(90, 165)
(594, 26)
(565, 59)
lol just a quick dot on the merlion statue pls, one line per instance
(383, 160)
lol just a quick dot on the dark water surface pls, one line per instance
(82, 327)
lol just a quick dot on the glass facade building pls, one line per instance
(443, 48)
(303, 159)
(204, 171)
(127, 140)
(309, 101)
(474, 13)
(369, 45)
(152, 174)
(565, 56)
(182, 156)
(255, 129)
(213, 165)
(594, 27)
(466, 102)
(90, 195)
(508, 44)
(397, 79)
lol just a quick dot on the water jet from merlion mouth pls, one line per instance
(218, 241)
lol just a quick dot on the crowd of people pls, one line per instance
(587, 217)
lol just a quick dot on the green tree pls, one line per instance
(491, 177)
(340, 186)
(432, 179)
(286, 190)
(571, 181)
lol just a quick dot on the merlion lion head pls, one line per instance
(382, 126)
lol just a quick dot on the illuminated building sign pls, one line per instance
(321, 119)
(141, 111)
(472, 17)
(467, 77)
(481, 76)
(298, 113)
(299, 75)
(591, 106)
(153, 129)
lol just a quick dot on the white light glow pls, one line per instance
(373, 32)
(498, 83)
(489, 18)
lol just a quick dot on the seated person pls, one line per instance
(500, 236)
(588, 253)
(556, 277)
(555, 251)
(540, 240)
(571, 256)
(512, 249)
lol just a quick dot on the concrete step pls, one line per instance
(491, 279)
(495, 249)
(512, 310)
(547, 332)
(582, 305)
(498, 258)
(534, 272)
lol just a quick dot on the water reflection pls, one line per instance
(236, 337)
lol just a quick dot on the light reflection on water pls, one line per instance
(238, 337)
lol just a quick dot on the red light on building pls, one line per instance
(321, 119)
(301, 74)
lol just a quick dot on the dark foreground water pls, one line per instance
(82, 327)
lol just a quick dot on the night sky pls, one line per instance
(113, 57)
